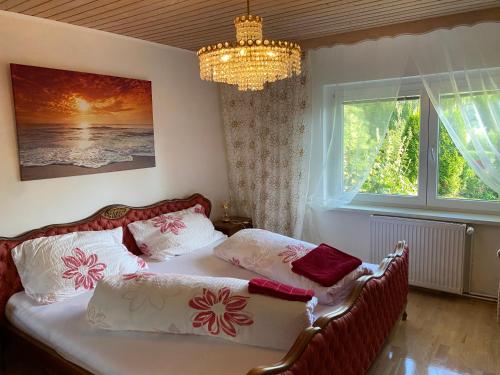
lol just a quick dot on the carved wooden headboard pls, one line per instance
(106, 218)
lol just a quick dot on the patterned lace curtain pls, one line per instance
(267, 136)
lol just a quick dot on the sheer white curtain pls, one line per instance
(465, 93)
(337, 173)
(459, 69)
(348, 138)
(353, 74)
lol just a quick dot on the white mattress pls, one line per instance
(63, 327)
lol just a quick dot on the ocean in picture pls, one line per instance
(90, 146)
(72, 123)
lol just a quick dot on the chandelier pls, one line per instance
(252, 60)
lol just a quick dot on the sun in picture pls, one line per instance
(72, 123)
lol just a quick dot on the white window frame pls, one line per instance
(448, 204)
(407, 90)
(427, 197)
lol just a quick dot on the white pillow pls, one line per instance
(271, 255)
(57, 267)
(174, 233)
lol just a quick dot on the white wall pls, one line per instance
(188, 132)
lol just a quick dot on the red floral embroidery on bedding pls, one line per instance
(85, 270)
(145, 249)
(235, 262)
(137, 276)
(220, 312)
(169, 223)
(199, 209)
(293, 252)
(140, 262)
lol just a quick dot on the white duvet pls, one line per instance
(200, 305)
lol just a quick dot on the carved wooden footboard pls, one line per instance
(347, 340)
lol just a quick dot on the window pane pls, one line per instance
(456, 179)
(395, 170)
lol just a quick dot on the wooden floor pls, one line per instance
(444, 335)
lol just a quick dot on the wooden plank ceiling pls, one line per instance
(191, 24)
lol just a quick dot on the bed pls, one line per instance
(345, 338)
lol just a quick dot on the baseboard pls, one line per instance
(463, 295)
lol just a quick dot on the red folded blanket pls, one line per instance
(325, 265)
(275, 289)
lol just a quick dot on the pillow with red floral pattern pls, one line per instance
(271, 255)
(174, 233)
(57, 267)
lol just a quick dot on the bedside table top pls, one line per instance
(237, 220)
(234, 224)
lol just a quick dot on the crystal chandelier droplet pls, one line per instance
(251, 61)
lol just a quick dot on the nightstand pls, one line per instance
(234, 224)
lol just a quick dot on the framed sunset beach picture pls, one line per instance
(72, 123)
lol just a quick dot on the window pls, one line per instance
(417, 163)
(456, 179)
(395, 170)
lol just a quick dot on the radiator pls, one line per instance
(437, 249)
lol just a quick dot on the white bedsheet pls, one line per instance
(63, 326)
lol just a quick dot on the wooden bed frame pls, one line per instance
(343, 342)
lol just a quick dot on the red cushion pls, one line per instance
(275, 289)
(325, 265)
